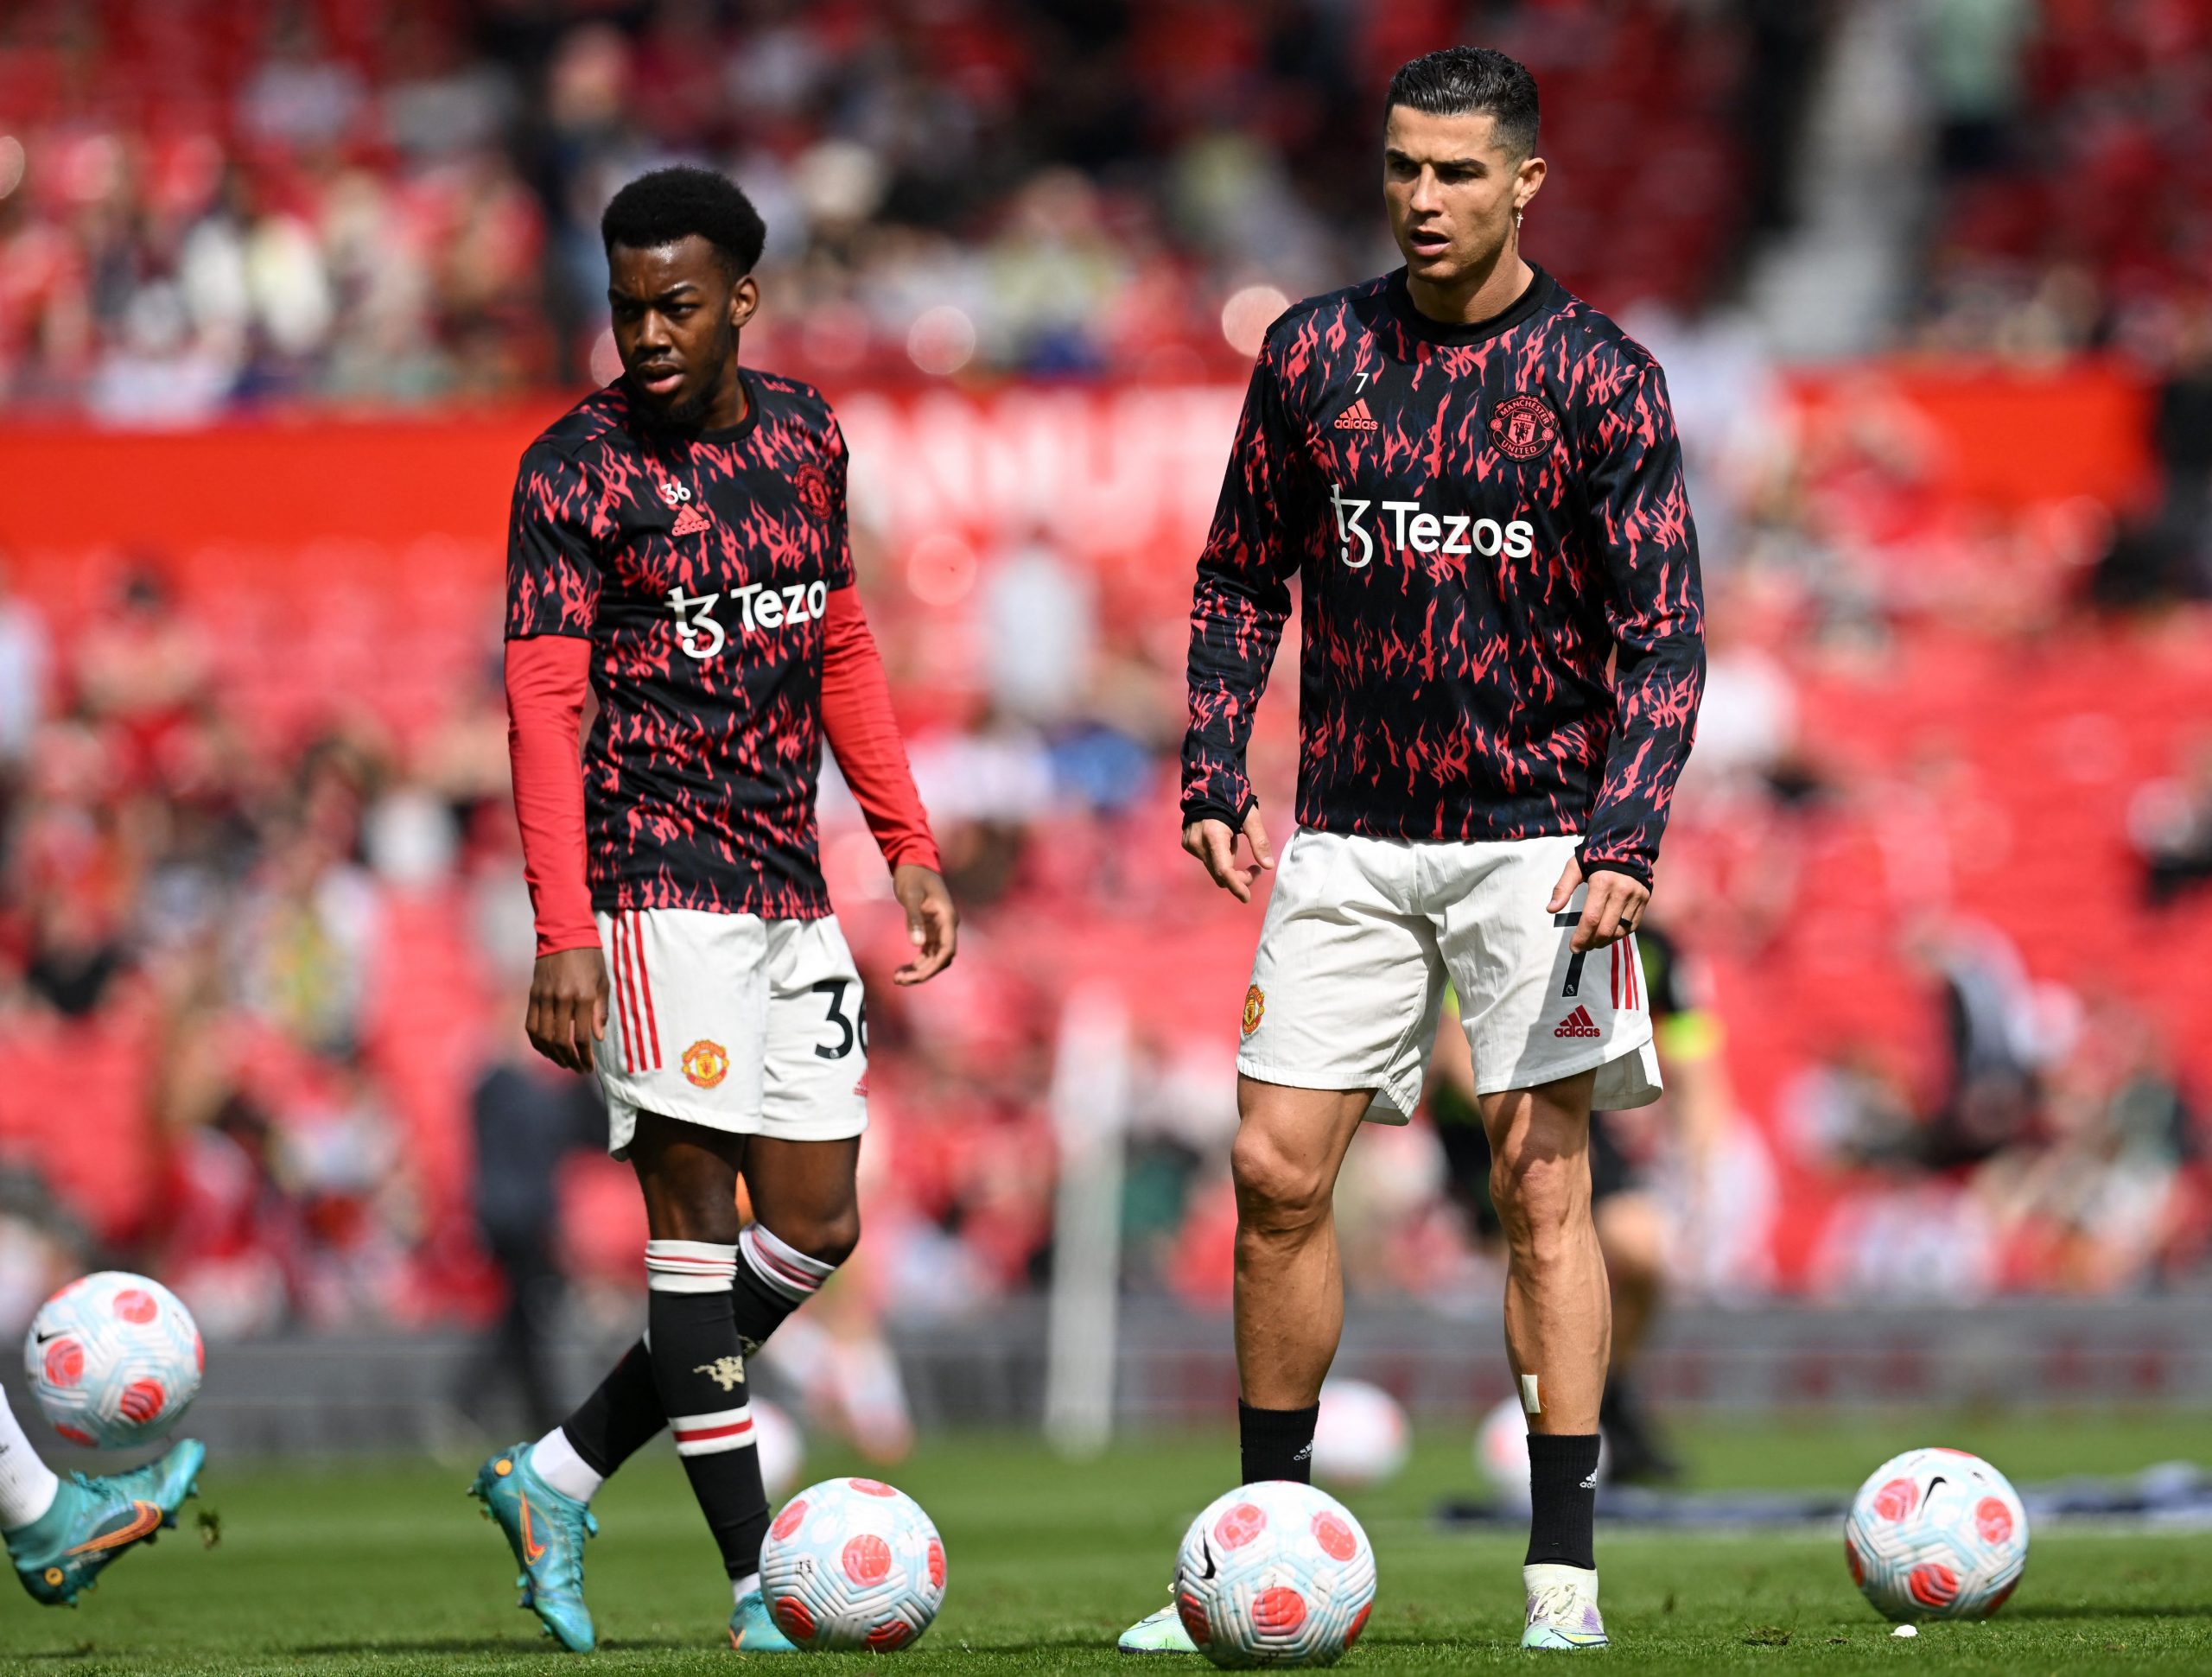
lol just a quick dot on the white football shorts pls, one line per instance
(1362, 936)
(730, 1021)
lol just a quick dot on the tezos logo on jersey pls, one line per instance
(701, 634)
(1410, 528)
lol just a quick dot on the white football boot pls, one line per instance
(1157, 1632)
(1562, 1607)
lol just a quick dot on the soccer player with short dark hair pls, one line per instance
(1475, 475)
(678, 548)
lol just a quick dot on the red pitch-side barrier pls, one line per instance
(1127, 474)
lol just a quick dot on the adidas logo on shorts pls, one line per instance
(1577, 1024)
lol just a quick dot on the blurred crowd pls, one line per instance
(211, 204)
(259, 986)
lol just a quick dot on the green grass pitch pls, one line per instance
(385, 1568)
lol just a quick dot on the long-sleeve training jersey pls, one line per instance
(1503, 626)
(702, 583)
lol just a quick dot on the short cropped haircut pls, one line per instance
(1461, 81)
(674, 203)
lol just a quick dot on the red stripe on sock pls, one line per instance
(703, 1434)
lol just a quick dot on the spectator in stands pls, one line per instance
(23, 670)
(2169, 824)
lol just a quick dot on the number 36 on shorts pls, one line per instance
(756, 1027)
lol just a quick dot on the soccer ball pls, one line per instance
(853, 1564)
(113, 1359)
(1502, 1455)
(1937, 1534)
(780, 1445)
(1274, 1574)
(1360, 1438)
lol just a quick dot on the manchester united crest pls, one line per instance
(705, 1063)
(1523, 427)
(811, 484)
(1256, 1005)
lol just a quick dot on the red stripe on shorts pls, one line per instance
(625, 1004)
(646, 984)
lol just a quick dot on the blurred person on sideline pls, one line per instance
(527, 1116)
(1632, 1220)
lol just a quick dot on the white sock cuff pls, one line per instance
(781, 1265)
(27, 1485)
(555, 1460)
(690, 1266)
(711, 1434)
(748, 1585)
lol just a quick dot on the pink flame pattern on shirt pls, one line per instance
(1453, 693)
(699, 774)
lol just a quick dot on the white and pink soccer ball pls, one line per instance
(113, 1359)
(1937, 1534)
(1274, 1574)
(853, 1564)
(1360, 1437)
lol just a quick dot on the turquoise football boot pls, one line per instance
(752, 1631)
(546, 1530)
(1157, 1632)
(93, 1520)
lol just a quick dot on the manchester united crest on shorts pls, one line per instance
(1255, 1005)
(706, 1064)
(1523, 426)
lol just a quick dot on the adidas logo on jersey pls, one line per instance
(689, 522)
(1577, 1024)
(1356, 418)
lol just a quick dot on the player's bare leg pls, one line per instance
(1290, 1291)
(1558, 1308)
(1290, 1299)
(1559, 1336)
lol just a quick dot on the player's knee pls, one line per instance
(828, 1237)
(699, 1206)
(1276, 1193)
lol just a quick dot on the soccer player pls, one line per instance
(678, 548)
(1476, 478)
(62, 1533)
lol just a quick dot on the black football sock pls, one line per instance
(1563, 1499)
(1277, 1443)
(699, 1371)
(774, 1278)
(621, 1414)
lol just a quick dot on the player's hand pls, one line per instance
(1611, 910)
(933, 923)
(1212, 844)
(568, 1005)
